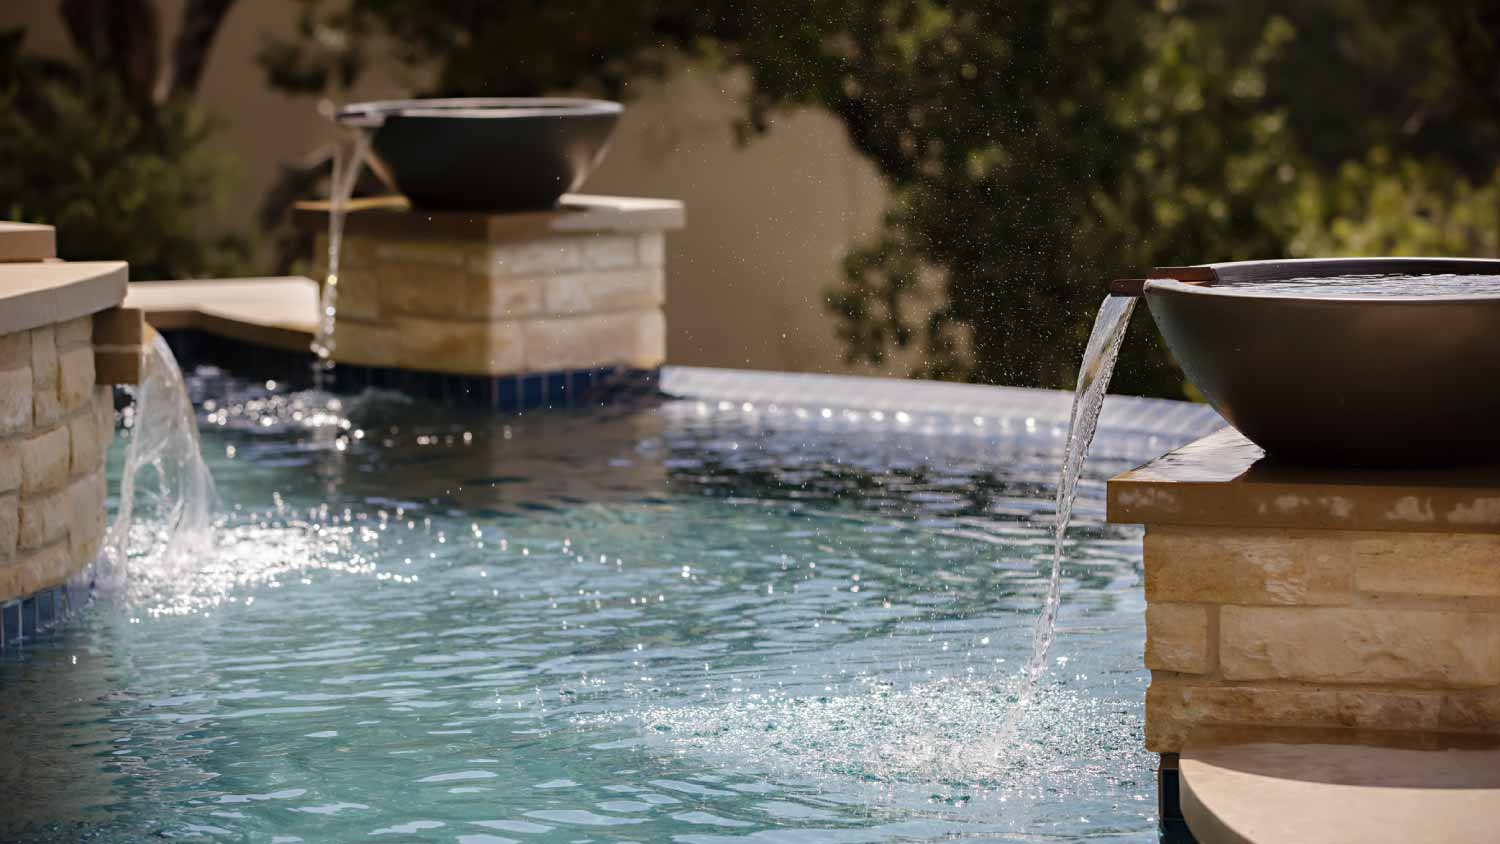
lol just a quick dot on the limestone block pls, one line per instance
(104, 417)
(454, 254)
(45, 460)
(531, 258)
(1346, 645)
(1247, 566)
(40, 569)
(75, 377)
(1428, 564)
(75, 332)
(44, 518)
(1174, 706)
(611, 252)
(1177, 638)
(364, 344)
(357, 253)
(619, 290)
(653, 249)
(631, 338)
(15, 400)
(10, 527)
(417, 290)
(469, 348)
(87, 519)
(15, 350)
(1475, 711)
(84, 443)
(359, 293)
(10, 465)
(46, 405)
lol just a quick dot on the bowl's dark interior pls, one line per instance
(488, 155)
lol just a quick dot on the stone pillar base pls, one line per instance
(562, 294)
(1337, 601)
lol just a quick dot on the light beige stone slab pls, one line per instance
(10, 528)
(1332, 794)
(1434, 648)
(1177, 638)
(15, 399)
(46, 404)
(10, 465)
(636, 338)
(1455, 565)
(1181, 709)
(413, 290)
(15, 350)
(1247, 566)
(364, 344)
(279, 313)
(86, 527)
(44, 518)
(621, 290)
(653, 249)
(45, 459)
(1223, 480)
(469, 348)
(392, 216)
(359, 294)
(532, 258)
(104, 417)
(84, 443)
(75, 377)
(78, 331)
(611, 252)
(36, 570)
(27, 242)
(37, 294)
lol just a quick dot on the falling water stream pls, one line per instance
(164, 522)
(1088, 400)
(348, 156)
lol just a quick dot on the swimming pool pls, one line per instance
(779, 609)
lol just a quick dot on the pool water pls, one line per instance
(684, 621)
(1371, 286)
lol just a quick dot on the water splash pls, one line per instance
(1088, 400)
(347, 159)
(164, 522)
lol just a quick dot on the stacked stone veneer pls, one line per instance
(478, 307)
(55, 427)
(1315, 600)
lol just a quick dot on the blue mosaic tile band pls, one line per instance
(23, 620)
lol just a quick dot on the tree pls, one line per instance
(109, 148)
(1035, 148)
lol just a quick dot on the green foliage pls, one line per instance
(1036, 148)
(118, 181)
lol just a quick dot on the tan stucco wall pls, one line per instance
(767, 223)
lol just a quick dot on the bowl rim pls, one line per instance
(372, 114)
(1246, 273)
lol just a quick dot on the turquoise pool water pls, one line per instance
(695, 621)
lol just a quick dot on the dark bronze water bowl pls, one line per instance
(1366, 380)
(487, 154)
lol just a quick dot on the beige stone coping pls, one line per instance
(27, 242)
(37, 294)
(1225, 480)
(1325, 793)
(576, 213)
(280, 313)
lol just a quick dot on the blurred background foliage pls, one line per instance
(1035, 148)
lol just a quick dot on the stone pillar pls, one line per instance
(546, 295)
(1326, 601)
(63, 340)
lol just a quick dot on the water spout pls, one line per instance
(347, 160)
(1088, 400)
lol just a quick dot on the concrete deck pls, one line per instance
(1328, 794)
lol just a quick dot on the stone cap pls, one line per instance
(577, 213)
(33, 294)
(279, 313)
(1224, 480)
(27, 242)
